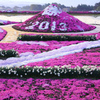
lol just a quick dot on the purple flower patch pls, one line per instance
(49, 89)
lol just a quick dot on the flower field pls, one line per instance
(47, 54)
(50, 89)
(50, 66)
(81, 64)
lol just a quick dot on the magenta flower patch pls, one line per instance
(53, 19)
(36, 46)
(49, 89)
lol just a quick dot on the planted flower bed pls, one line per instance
(77, 59)
(50, 89)
(35, 46)
(85, 64)
(53, 19)
(2, 33)
(52, 59)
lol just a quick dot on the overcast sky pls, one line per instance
(65, 2)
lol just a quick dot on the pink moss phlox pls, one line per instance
(58, 89)
(36, 48)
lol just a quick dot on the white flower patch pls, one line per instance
(3, 21)
(1, 30)
(32, 42)
(26, 54)
(32, 26)
(80, 28)
(70, 17)
(52, 10)
(53, 27)
(63, 27)
(35, 23)
(46, 26)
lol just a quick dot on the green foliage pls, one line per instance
(73, 8)
(98, 8)
(97, 5)
(55, 37)
(8, 53)
(36, 7)
(25, 8)
(82, 7)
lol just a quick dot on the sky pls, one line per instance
(73, 3)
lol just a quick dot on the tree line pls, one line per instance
(80, 7)
(38, 7)
(84, 7)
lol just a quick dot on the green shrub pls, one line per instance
(8, 53)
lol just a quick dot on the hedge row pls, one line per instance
(55, 37)
(41, 72)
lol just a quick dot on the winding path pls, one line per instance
(12, 34)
